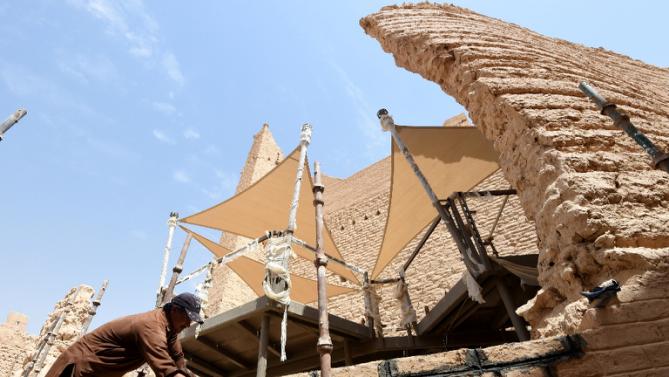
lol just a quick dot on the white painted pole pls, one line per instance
(305, 139)
(10, 121)
(171, 225)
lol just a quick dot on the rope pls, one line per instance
(202, 289)
(277, 279)
(401, 293)
(306, 246)
(499, 214)
(251, 246)
(373, 309)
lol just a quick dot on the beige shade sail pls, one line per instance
(451, 158)
(253, 273)
(265, 205)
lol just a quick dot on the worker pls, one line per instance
(124, 344)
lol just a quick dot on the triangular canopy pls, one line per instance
(451, 158)
(253, 272)
(265, 205)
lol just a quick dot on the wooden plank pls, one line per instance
(249, 329)
(454, 296)
(235, 359)
(228, 318)
(200, 365)
(341, 325)
(311, 328)
(261, 369)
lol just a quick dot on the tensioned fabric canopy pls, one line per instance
(253, 272)
(451, 158)
(265, 205)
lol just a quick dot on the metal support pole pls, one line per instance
(473, 231)
(305, 139)
(261, 370)
(387, 123)
(466, 234)
(421, 243)
(94, 307)
(10, 121)
(324, 345)
(168, 293)
(518, 324)
(348, 359)
(368, 305)
(171, 224)
(494, 224)
(410, 327)
(660, 159)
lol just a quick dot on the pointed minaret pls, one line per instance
(227, 290)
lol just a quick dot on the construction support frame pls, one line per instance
(463, 232)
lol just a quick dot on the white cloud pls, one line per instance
(223, 188)
(181, 176)
(86, 69)
(191, 134)
(164, 107)
(172, 68)
(212, 150)
(23, 83)
(162, 137)
(129, 20)
(112, 150)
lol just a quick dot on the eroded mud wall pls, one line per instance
(15, 342)
(600, 209)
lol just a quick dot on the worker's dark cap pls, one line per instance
(190, 304)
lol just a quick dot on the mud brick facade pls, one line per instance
(599, 209)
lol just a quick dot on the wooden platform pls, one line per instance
(227, 344)
(457, 314)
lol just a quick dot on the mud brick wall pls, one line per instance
(600, 209)
(15, 343)
(538, 358)
(588, 187)
(74, 308)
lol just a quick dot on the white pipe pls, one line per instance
(171, 225)
(305, 139)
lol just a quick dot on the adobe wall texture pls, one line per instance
(535, 358)
(74, 308)
(15, 342)
(600, 210)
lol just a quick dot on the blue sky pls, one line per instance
(139, 108)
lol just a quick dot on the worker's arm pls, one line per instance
(157, 352)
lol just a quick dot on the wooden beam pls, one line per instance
(261, 369)
(237, 360)
(249, 329)
(204, 367)
(307, 326)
